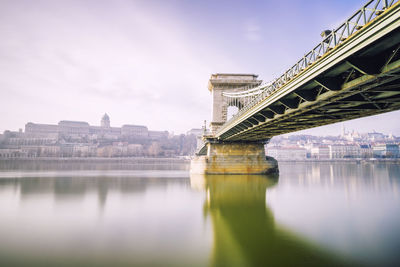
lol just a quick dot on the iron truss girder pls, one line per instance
(359, 76)
(331, 106)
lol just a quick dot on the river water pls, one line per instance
(311, 214)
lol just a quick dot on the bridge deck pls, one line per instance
(357, 78)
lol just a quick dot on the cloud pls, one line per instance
(123, 58)
(252, 31)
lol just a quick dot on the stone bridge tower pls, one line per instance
(227, 82)
(240, 157)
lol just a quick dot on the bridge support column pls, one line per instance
(234, 158)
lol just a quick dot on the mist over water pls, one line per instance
(316, 214)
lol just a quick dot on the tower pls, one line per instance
(223, 82)
(105, 121)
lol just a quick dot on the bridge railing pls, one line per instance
(357, 21)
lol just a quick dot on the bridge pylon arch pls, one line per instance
(224, 157)
(232, 83)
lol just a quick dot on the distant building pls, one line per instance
(344, 151)
(73, 128)
(12, 153)
(41, 130)
(158, 135)
(386, 151)
(100, 132)
(83, 150)
(14, 141)
(320, 152)
(66, 150)
(135, 150)
(366, 151)
(374, 136)
(79, 139)
(134, 131)
(287, 153)
(198, 133)
(80, 129)
(195, 131)
(105, 121)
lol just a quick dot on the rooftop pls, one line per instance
(74, 123)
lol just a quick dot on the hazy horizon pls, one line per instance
(148, 62)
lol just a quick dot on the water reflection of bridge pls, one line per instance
(245, 233)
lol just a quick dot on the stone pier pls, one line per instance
(234, 158)
(220, 157)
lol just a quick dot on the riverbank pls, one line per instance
(357, 160)
(132, 163)
(137, 163)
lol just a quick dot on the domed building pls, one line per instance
(105, 121)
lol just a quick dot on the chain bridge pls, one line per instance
(353, 72)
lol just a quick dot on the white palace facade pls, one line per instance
(79, 129)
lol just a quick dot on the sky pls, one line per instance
(148, 62)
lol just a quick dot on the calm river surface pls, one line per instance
(311, 214)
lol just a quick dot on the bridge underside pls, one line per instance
(358, 77)
(362, 84)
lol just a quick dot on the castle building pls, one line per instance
(80, 129)
(134, 131)
(105, 121)
(73, 128)
(41, 130)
